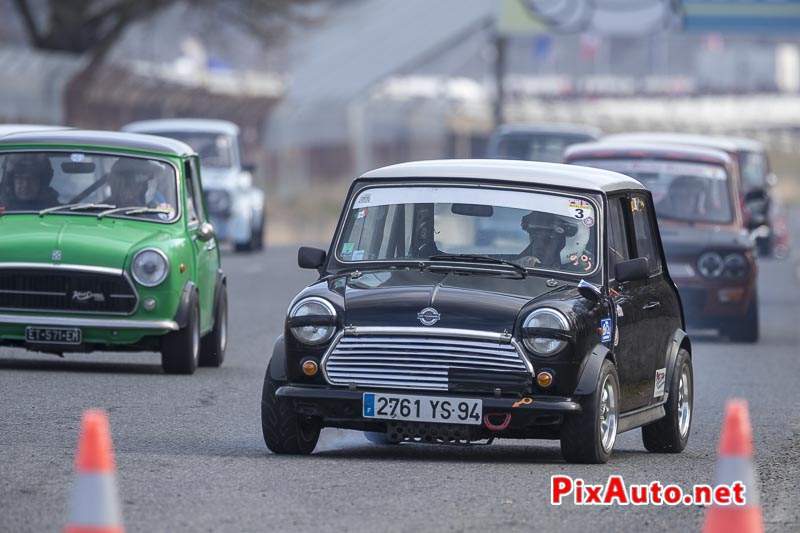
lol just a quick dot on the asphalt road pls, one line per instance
(190, 456)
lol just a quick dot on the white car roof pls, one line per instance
(526, 172)
(183, 124)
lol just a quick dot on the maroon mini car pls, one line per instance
(700, 214)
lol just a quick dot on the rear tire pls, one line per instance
(215, 342)
(180, 350)
(671, 433)
(745, 329)
(589, 437)
(284, 431)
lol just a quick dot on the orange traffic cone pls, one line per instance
(735, 463)
(95, 505)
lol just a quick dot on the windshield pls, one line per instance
(215, 149)
(85, 181)
(547, 147)
(534, 230)
(682, 190)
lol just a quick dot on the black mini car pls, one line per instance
(565, 326)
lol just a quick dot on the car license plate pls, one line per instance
(53, 335)
(422, 408)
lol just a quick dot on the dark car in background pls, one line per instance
(537, 142)
(417, 331)
(710, 255)
(752, 171)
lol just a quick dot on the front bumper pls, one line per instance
(96, 333)
(343, 407)
(82, 322)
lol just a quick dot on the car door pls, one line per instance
(206, 251)
(656, 296)
(630, 343)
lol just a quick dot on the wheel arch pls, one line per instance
(587, 380)
(680, 340)
(189, 295)
(277, 363)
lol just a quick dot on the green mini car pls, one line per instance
(105, 245)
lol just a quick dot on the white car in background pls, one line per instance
(235, 206)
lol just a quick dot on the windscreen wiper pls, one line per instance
(479, 258)
(75, 207)
(133, 210)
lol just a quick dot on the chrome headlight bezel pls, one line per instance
(705, 271)
(743, 267)
(328, 309)
(556, 345)
(138, 276)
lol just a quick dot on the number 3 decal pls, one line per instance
(579, 213)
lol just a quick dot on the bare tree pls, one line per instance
(93, 26)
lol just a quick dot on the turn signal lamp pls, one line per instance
(310, 367)
(544, 379)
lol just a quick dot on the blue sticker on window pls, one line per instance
(369, 404)
(605, 325)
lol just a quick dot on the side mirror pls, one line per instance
(310, 257)
(205, 232)
(772, 179)
(632, 270)
(755, 195)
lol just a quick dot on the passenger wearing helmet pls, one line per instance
(129, 180)
(686, 198)
(26, 185)
(548, 237)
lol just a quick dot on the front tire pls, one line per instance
(215, 342)
(180, 350)
(284, 431)
(671, 433)
(589, 437)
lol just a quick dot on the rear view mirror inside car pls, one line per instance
(71, 167)
(472, 210)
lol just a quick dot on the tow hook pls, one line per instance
(497, 427)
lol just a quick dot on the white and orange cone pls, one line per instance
(95, 505)
(735, 463)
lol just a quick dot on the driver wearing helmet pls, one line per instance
(686, 198)
(27, 184)
(129, 180)
(548, 236)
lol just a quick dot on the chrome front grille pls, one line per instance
(59, 289)
(419, 361)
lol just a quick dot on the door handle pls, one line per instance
(651, 305)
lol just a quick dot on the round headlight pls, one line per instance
(545, 318)
(150, 267)
(711, 265)
(735, 266)
(313, 334)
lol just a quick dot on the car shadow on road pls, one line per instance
(59, 365)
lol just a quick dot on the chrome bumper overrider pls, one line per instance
(84, 322)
